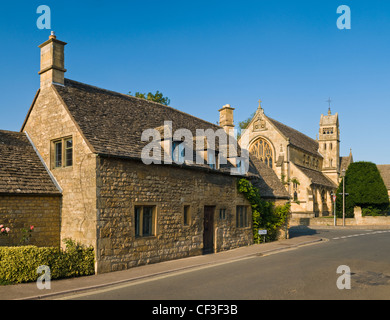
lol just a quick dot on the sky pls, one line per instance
(205, 54)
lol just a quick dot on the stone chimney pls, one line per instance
(52, 62)
(226, 118)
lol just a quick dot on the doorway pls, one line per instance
(208, 230)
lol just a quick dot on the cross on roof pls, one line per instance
(329, 101)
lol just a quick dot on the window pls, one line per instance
(211, 159)
(144, 221)
(58, 154)
(240, 166)
(295, 188)
(242, 217)
(63, 153)
(327, 131)
(222, 214)
(178, 152)
(68, 152)
(186, 216)
(263, 151)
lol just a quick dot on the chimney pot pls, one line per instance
(52, 61)
(226, 117)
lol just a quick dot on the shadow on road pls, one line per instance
(297, 231)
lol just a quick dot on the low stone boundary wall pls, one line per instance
(359, 220)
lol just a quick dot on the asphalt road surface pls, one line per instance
(307, 272)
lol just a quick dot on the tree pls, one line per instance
(244, 124)
(366, 189)
(157, 97)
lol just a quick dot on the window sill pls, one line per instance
(244, 228)
(145, 237)
(64, 168)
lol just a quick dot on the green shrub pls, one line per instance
(19, 264)
(366, 189)
(264, 214)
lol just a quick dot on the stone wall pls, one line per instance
(358, 220)
(49, 120)
(20, 212)
(123, 184)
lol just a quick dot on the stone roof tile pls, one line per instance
(21, 170)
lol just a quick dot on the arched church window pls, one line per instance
(263, 151)
(331, 146)
(324, 146)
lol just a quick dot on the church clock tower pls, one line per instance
(329, 145)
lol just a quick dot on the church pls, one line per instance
(309, 169)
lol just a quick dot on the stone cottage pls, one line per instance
(89, 142)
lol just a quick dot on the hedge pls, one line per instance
(365, 188)
(20, 264)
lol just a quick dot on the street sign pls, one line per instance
(262, 232)
(334, 198)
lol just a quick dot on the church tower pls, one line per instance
(329, 145)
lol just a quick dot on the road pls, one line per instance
(307, 272)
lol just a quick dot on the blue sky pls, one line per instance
(205, 54)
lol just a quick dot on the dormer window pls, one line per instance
(178, 153)
(62, 152)
(240, 167)
(211, 159)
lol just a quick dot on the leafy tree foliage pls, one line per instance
(366, 189)
(264, 214)
(156, 97)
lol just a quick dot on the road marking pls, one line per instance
(360, 234)
(113, 287)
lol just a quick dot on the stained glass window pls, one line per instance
(263, 151)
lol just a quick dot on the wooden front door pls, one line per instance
(208, 231)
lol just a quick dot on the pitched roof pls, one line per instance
(297, 139)
(113, 122)
(384, 170)
(317, 177)
(345, 162)
(21, 170)
(267, 181)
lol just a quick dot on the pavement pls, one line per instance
(30, 291)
